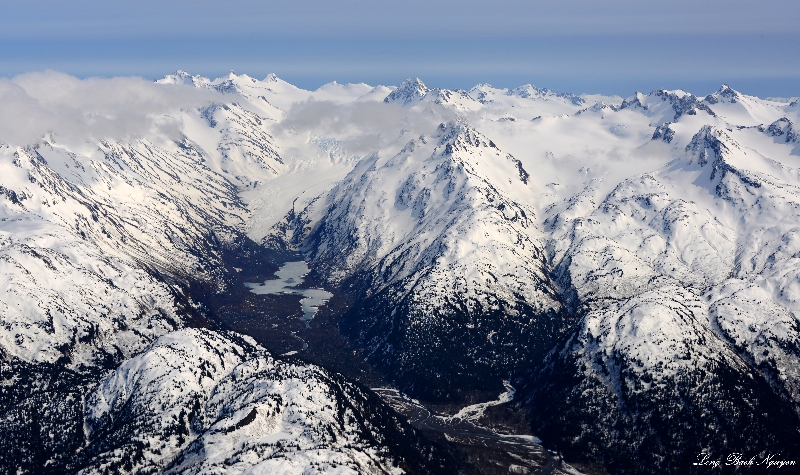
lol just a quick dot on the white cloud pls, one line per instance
(361, 127)
(35, 104)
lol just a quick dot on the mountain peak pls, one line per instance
(178, 77)
(669, 105)
(483, 91)
(183, 77)
(664, 132)
(784, 128)
(636, 100)
(181, 73)
(409, 90)
(710, 144)
(524, 91)
(598, 107)
(725, 94)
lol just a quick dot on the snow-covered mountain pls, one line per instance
(438, 250)
(630, 265)
(86, 228)
(676, 272)
(199, 401)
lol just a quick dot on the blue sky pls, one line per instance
(569, 45)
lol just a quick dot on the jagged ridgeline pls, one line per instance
(629, 265)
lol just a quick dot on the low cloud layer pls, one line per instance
(36, 104)
(362, 127)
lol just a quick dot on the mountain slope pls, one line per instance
(645, 385)
(670, 271)
(198, 401)
(449, 267)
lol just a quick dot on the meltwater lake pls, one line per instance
(289, 276)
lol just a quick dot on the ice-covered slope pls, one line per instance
(197, 401)
(741, 109)
(528, 101)
(666, 106)
(126, 218)
(62, 298)
(100, 240)
(605, 240)
(85, 227)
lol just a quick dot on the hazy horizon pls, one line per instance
(572, 46)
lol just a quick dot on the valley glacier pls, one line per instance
(630, 266)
